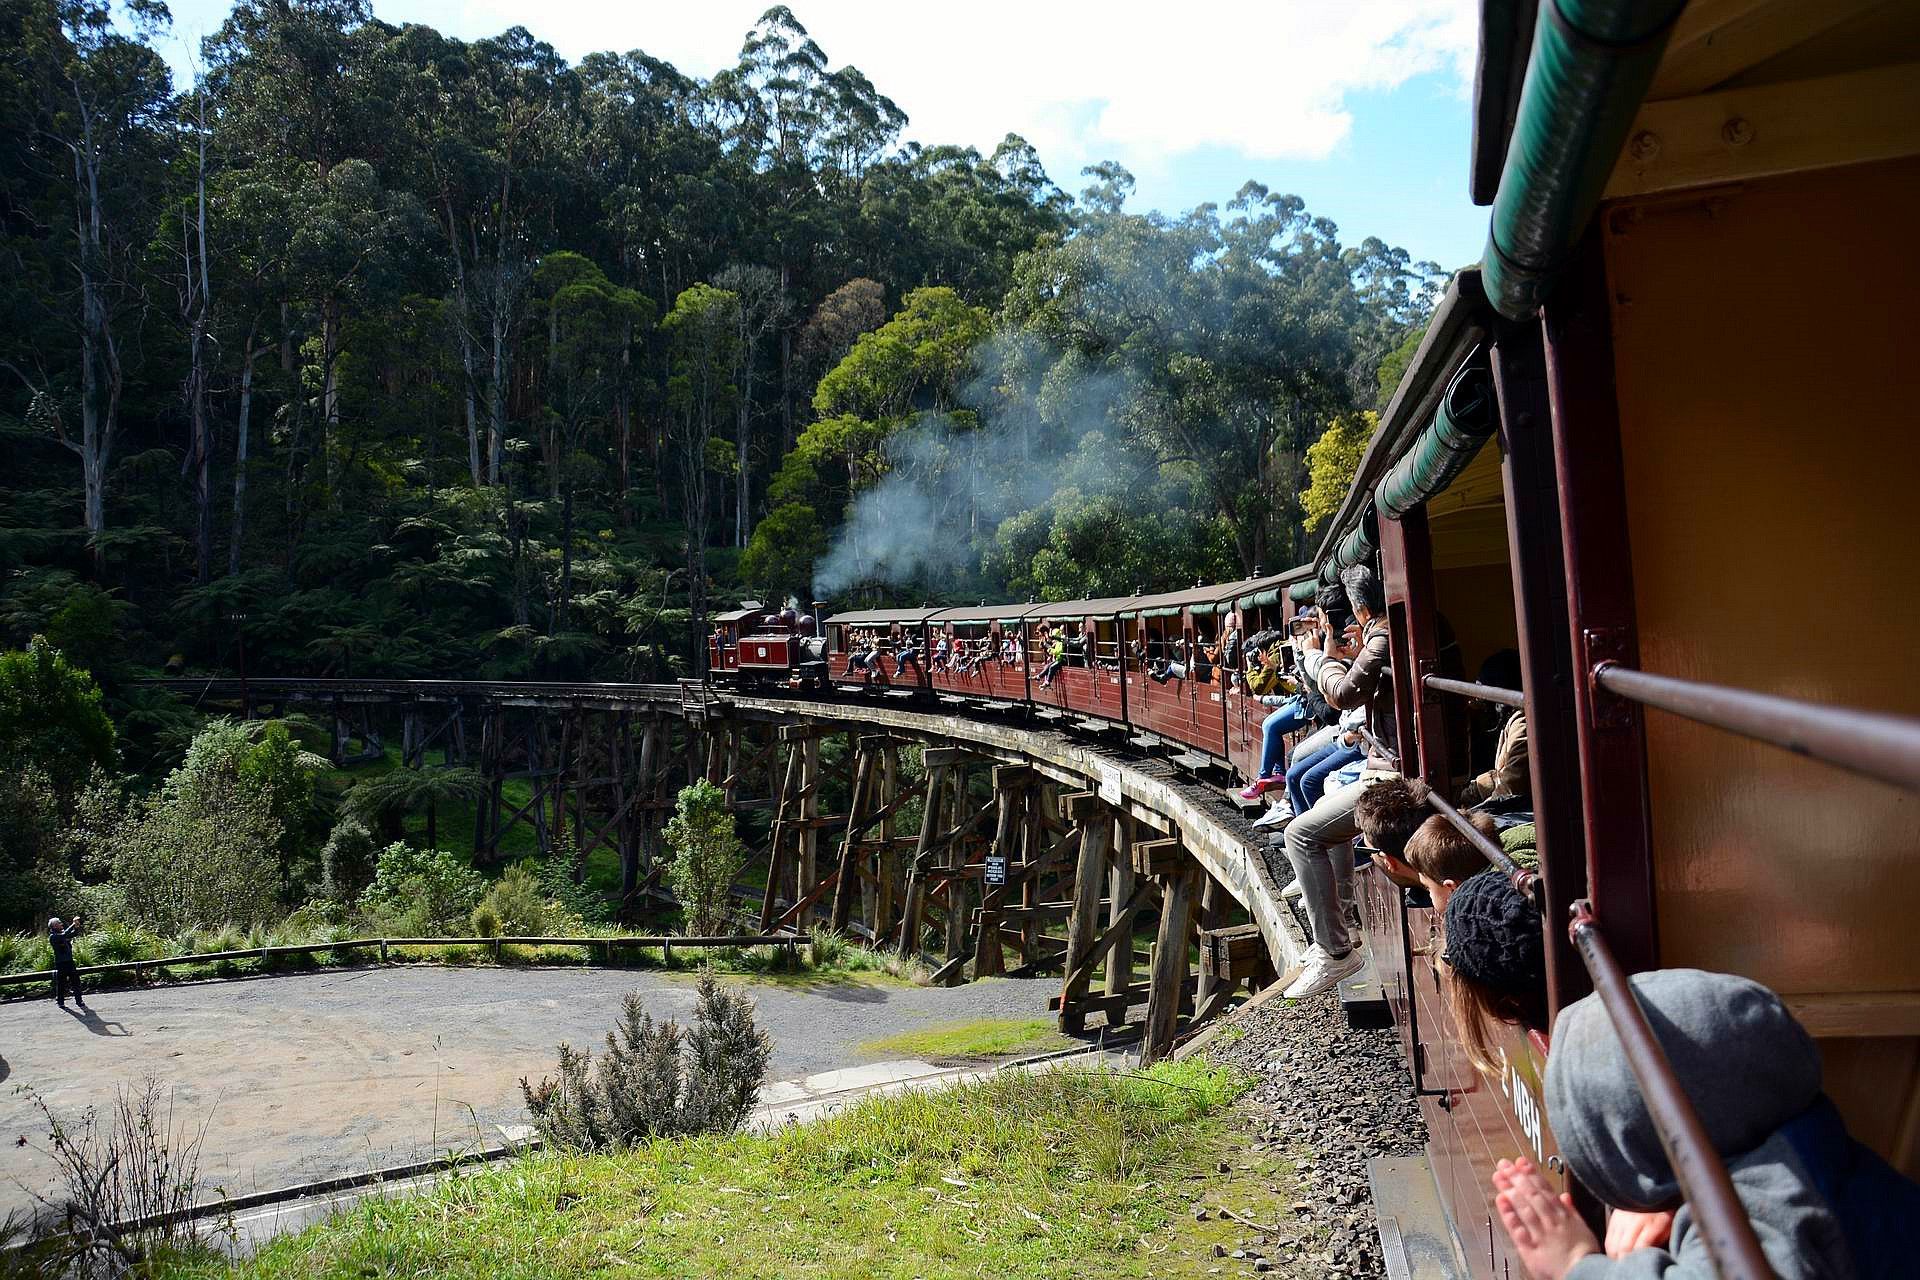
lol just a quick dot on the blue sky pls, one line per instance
(1360, 107)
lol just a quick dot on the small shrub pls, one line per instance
(140, 1164)
(706, 856)
(517, 904)
(24, 953)
(347, 860)
(827, 947)
(418, 892)
(557, 872)
(655, 1079)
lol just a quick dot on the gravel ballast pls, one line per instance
(1331, 1097)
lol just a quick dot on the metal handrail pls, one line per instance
(1527, 882)
(1873, 744)
(1478, 692)
(1717, 1211)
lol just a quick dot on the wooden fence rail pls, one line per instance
(666, 942)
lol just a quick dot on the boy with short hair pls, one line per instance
(1389, 812)
(1443, 858)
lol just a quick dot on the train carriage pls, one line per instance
(1652, 458)
(1644, 448)
(892, 630)
(977, 652)
(1087, 682)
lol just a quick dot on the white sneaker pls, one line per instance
(1294, 891)
(1278, 816)
(1323, 972)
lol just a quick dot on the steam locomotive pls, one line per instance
(756, 645)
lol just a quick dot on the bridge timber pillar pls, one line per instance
(1178, 878)
(1095, 825)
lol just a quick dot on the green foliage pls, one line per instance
(778, 562)
(707, 854)
(50, 716)
(385, 800)
(34, 874)
(347, 860)
(185, 860)
(1393, 367)
(518, 904)
(1332, 462)
(420, 892)
(656, 1080)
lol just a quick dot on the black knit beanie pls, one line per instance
(1494, 937)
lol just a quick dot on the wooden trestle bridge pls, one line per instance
(1038, 849)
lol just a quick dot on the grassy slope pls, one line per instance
(986, 1038)
(1058, 1174)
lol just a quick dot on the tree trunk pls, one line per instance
(330, 396)
(237, 534)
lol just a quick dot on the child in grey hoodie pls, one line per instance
(1821, 1205)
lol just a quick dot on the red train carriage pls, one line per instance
(865, 648)
(754, 645)
(1071, 670)
(978, 652)
(1623, 451)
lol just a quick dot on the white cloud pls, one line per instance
(1131, 81)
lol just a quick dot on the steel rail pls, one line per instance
(1478, 692)
(1722, 1219)
(1872, 744)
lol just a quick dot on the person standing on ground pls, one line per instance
(66, 974)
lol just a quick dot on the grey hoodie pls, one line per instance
(1748, 1068)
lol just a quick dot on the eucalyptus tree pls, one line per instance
(590, 323)
(89, 185)
(702, 331)
(761, 305)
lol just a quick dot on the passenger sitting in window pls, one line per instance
(1820, 1203)
(1010, 652)
(1056, 651)
(1077, 648)
(1444, 859)
(1175, 666)
(1227, 656)
(1307, 776)
(940, 662)
(1510, 779)
(906, 653)
(857, 656)
(1388, 814)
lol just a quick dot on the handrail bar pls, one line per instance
(1525, 881)
(1722, 1219)
(1873, 744)
(1373, 740)
(1478, 692)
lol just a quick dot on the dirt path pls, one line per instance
(311, 1075)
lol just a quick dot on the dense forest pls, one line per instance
(382, 352)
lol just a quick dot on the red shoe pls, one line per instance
(1259, 788)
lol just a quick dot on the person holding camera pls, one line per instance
(1351, 670)
(66, 974)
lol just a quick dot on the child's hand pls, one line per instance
(1627, 1231)
(1548, 1234)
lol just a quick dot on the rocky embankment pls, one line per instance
(1329, 1098)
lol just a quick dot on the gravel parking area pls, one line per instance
(309, 1075)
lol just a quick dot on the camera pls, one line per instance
(1260, 641)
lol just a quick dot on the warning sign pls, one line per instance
(996, 869)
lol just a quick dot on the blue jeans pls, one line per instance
(1307, 776)
(1286, 717)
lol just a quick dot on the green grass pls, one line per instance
(1054, 1174)
(985, 1038)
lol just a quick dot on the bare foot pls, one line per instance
(1548, 1234)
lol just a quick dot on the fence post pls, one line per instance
(383, 951)
(666, 952)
